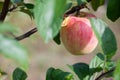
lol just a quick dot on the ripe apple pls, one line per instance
(77, 35)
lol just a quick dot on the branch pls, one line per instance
(104, 74)
(27, 34)
(75, 9)
(4, 10)
(12, 8)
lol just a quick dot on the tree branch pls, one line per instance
(4, 10)
(27, 34)
(75, 9)
(12, 8)
(104, 74)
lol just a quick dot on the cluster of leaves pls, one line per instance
(48, 15)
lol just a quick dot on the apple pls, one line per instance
(77, 35)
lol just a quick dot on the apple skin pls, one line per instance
(77, 35)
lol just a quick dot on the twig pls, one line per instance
(12, 8)
(75, 9)
(104, 74)
(4, 10)
(27, 34)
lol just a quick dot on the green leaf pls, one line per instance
(12, 49)
(49, 74)
(113, 9)
(96, 63)
(80, 2)
(105, 36)
(108, 66)
(94, 70)
(6, 27)
(29, 5)
(57, 39)
(57, 74)
(19, 74)
(48, 17)
(81, 70)
(27, 11)
(68, 6)
(96, 3)
(117, 71)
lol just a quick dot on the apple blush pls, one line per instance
(77, 35)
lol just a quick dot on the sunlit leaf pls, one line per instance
(13, 50)
(105, 36)
(96, 63)
(117, 71)
(48, 17)
(6, 27)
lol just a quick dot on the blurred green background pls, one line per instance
(42, 55)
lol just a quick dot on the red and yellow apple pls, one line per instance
(77, 35)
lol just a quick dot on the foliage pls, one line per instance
(96, 3)
(48, 16)
(105, 36)
(117, 71)
(19, 74)
(57, 74)
(51, 13)
(113, 8)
